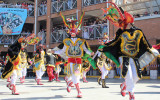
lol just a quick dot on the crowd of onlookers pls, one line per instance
(23, 5)
(145, 14)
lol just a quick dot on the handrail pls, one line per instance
(92, 2)
(58, 6)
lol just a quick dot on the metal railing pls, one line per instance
(92, 2)
(58, 36)
(42, 10)
(30, 9)
(43, 36)
(58, 6)
(10, 39)
(94, 31)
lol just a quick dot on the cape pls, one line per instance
(13, 53)
(124, 45)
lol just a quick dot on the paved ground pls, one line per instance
(145, 90)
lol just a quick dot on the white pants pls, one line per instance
(75, 78)
(131, 76)
(58, 69)
(14, 77)
(104, 72)
(24, 71)
(39, 73)
(84, 74)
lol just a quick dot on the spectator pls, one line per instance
(30, 9)
(156, 12)
(18, 5)
(24, 5)
(85, 34)
(146, 14)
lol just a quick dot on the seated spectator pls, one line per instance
(30, 9)
(18, 5)
(146, 14)
(85, 34)
(24, 5)
(156, 12)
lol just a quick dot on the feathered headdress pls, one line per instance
(71, 24)
(31, 39)
(117, 16)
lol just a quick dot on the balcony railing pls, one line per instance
(92, 2)
(94, 31)
(58, 6)
(58, 36)
(42, 10)
(30, 9)
(10, 39)
(43, 36)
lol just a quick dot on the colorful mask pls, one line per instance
(117, 18)
(73, 29)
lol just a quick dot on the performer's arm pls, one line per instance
(86, 50)
(118, 33)
(60, 51)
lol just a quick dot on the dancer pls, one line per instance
(50, 63)
(24, 64)
(85, 68)
(130, 46)
(39, 64)
(57, 68)
(74, 48)
(103, 63)
(11, 68)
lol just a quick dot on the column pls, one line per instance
(48, 25)
(79, 8)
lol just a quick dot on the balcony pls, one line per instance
(58, 36)
(88, 32)
(94, 31)
(91, 2)
(42, 34)
(30, 9)
(42, 10)
(10, 39)
(58, 6)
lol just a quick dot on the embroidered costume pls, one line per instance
(12, 69)
(57, 68)
(73, 48)
(50, 64)
(24, 64)
(130, 46)
(103, 63)
(39, 67)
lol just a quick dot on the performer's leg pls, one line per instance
(13, 82)
(99, 79)
(104, 73)
(57, 73)
(50, 73)
(68, 79)
(123, 85)
(76, 81)
(20, 75)
(135, 79)
(24, 73)
(84, 77)
(8, 79)
(39, 74)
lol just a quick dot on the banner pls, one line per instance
(12, 20)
